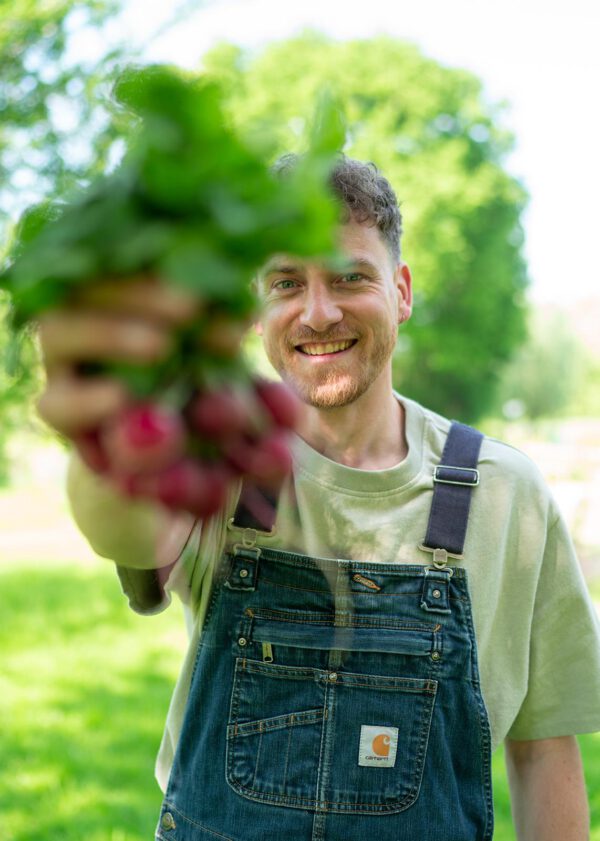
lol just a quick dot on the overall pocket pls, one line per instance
(312, 738)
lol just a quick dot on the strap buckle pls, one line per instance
(467, 476)
(440, 556)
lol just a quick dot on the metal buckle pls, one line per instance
(440, 556)
(469, 484)
(249, 537)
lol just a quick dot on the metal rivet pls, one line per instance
(333, 676)
(436, 655)
(243, 573)
(436, 594)
(242, 641)
(167, 821)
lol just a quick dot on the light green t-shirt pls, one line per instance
(537, 631)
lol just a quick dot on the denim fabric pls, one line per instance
(332, 700)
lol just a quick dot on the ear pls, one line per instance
(258, 328)
(403, 283)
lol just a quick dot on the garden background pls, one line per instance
(84, 682)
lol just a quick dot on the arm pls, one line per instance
(549, 801)
(133, 533)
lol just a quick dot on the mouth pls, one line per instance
(325, 348)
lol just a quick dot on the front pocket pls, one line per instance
(340, 742)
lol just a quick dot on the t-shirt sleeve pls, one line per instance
(149, 591)
(563, 693)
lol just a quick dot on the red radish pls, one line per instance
(218, 414)
(281, 403)
(272, 459)
(187, 485)
(267, 460)
(144, 438)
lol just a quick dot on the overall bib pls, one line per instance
(335, 700)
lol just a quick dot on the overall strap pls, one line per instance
(256, 509)
(453, 481)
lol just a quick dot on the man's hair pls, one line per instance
(366, 195)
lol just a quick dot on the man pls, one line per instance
(413, 601)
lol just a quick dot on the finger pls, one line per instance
(67, 336)
(222, 336)
(72, 405)
(144, 297)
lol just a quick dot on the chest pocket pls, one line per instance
(306, 735)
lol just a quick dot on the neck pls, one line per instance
(367, 434)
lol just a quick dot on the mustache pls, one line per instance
(309, 335)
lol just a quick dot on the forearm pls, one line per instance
(549, 800)
(133, 533)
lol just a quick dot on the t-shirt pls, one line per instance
(537, 632)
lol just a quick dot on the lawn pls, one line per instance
(84, 689)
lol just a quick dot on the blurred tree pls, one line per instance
(432, 132)
(17, 385)
(54, 71)
(546, 376)
(55, 68)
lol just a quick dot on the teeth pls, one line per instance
(331, 347)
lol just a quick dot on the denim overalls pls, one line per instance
(334, 700)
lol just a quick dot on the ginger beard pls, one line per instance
(336, 382)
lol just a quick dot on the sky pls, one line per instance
(541, 56)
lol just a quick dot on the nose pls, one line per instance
(320, 310)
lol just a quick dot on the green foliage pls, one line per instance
(53, 130)
(189, 203)
(434, 135)
(18, 383)
(546, 375)
(54, 134)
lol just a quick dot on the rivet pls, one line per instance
(243, 573)
(436, 655)
(436, 594)
(242, 641)
(167, 821)
(333, 676)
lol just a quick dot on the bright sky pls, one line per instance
(541, 56)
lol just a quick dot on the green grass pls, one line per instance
(84, 690)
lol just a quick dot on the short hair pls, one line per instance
(365, 193)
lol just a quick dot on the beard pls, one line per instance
(331, 388)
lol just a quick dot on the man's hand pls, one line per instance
(112, 321)
(549, 800)
(129, 321)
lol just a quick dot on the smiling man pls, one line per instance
(409, 601)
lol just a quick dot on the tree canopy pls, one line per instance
(53, 136)
(51, 97)
(433, 133)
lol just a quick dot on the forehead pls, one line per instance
(356, 243)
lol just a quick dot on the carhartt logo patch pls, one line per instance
(378, 746)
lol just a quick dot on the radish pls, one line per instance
(145, 437)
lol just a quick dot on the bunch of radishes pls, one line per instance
(187, 459)
(194, 204)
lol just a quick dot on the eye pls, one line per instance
(286, 283)
(352, 277)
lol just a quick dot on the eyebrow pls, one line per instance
(279, 268)
(359, 263)
(275, 267)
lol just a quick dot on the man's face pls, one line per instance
(330, 333)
